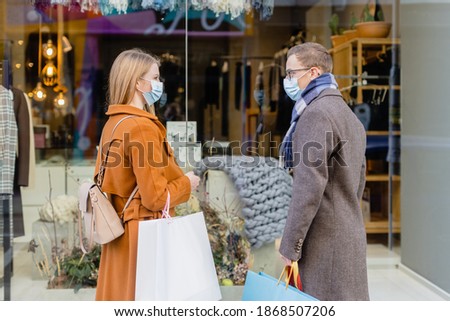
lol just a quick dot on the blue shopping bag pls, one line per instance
(263, 287)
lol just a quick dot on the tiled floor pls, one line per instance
(388, 281)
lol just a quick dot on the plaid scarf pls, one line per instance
(314, 88)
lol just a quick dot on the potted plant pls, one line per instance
(337, 37)
(351, 32)
(372, 23)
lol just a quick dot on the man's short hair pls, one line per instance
(312, 54)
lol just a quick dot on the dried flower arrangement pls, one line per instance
(229, 245)
(231, 249)
(61, 261)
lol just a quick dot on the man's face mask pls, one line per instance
(291, 87)
(155, 94)
(259, 96)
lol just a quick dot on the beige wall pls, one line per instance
(425, 139)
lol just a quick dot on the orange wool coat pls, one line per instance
(139, 155)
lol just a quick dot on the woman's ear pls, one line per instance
(138, 84)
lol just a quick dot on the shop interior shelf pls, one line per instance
(381, 178)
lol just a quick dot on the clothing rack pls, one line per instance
(245, 60)
(241, 57)
(6, 209)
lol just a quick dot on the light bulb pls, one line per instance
(49, 50)
(49, 74)
(66, 44)
(60, 101)
(39, 93)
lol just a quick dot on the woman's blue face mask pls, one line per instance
(154, 95)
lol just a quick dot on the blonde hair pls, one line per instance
(312, 54)
(127, 68)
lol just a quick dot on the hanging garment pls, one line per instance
(247, 84)
(265, 8)
(21, 173)
(120, 5)
(272, 102)
(161, 5)
(281, 100)
(232, 7)
(32, 154)
(135, 5)
(276, 80)
(8, 141)
(284, 111)
(22, 117)
(212, 75)
(277, 84)
(238, 85)
(258, 92)
(18, 225)
(225, 78)
(173, 79)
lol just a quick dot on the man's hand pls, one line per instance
(286, 261)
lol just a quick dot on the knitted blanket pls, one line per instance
(264, 190)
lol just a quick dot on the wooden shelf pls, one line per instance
(370, 87)
(381, 178)
(382, 133)
(381, 226)
(349, 59)
(379, 87)
(365, 42)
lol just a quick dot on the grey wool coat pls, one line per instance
(325, 229)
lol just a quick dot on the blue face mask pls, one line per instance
(291, 87)
(154, 95)
(259, 96)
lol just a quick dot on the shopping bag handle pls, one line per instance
(166, 209)
(291, 272)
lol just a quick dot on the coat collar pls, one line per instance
(330, 92)
(129, 110)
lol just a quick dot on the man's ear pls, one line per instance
(317, 71)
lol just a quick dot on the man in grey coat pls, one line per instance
(325, 148)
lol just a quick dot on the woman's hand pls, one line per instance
(194, 179)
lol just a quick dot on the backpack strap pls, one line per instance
(130, 199)
(84, 209)
(101, 171)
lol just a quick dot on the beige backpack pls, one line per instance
(102, 223)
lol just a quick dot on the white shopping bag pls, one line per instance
(175, 261)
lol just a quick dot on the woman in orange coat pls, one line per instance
(139, 155)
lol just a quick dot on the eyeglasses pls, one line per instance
(291, 72)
